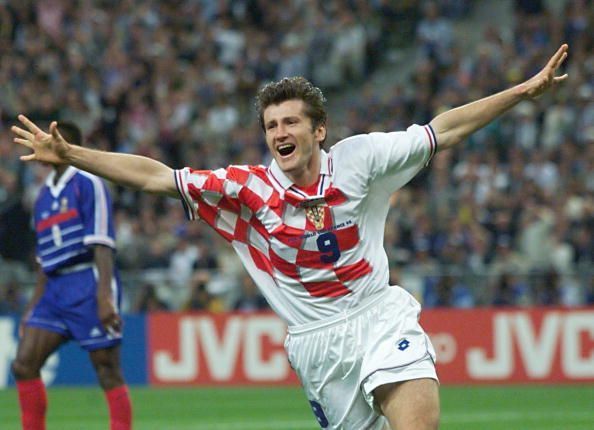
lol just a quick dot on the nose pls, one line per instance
(281, 132)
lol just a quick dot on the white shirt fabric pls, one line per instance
(309, 274)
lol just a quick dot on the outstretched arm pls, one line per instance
(455, 125)
(134, 171)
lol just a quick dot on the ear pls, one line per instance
(320, 133)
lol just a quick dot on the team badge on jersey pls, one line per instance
(64, 205)
(315, 215)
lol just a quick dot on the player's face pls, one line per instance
(294, 144)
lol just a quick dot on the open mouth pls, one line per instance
(286, 149)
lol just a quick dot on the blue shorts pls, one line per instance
(69, 307)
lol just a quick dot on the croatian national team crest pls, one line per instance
(315, 215)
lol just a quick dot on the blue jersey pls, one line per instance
(71, 216)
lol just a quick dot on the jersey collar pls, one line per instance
(279, 177)
(56, 189)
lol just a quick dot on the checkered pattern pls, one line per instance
(242, 205)
(303, 271)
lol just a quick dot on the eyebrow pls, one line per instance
(285, 118)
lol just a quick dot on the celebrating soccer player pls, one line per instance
(309, 229)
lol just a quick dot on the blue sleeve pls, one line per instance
(96, 212)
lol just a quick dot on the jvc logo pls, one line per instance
(572, 334)
(252, 346)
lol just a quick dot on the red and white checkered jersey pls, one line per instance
(307, 270)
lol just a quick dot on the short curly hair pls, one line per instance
(293, 88)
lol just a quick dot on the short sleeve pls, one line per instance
(96, 212)
(186, 181)
(212, 196)
(388, 160)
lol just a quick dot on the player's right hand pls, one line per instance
(47, 147)
(108, 315)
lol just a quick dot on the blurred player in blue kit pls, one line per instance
(77, 295)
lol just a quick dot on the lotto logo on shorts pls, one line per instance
(403, 344)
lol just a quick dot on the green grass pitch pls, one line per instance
(542, 407)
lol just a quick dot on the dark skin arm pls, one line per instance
(37, 293)
(106, 308)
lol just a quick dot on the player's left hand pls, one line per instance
(109, 316)
(546, 78)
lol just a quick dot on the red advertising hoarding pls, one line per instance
(223, 349)
(478, 346)
(513, 346)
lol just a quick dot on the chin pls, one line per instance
(287, 165)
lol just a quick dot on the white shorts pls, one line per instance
(342, 360)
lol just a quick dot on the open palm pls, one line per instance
(546, 78)
(47, 147)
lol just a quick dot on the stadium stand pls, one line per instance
(505, 220)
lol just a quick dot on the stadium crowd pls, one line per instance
(506, 220)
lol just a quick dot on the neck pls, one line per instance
(60, 169)
(310, 173)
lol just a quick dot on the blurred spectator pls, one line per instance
(526, 129)
(510, 291)
(149, 301)
(16, 237)
(12, 300)
(543, 172)
(348, 52)
(535, 235)
(450, 291)
(548, 289)
(250, 299)
(559, 119)
(435, 34)
(506, 259)
(157, 255)
(589, 291)
(571, 290)
(183, 260)
(200, 298)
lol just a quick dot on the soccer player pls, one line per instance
(77, 295)
(309, 230)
